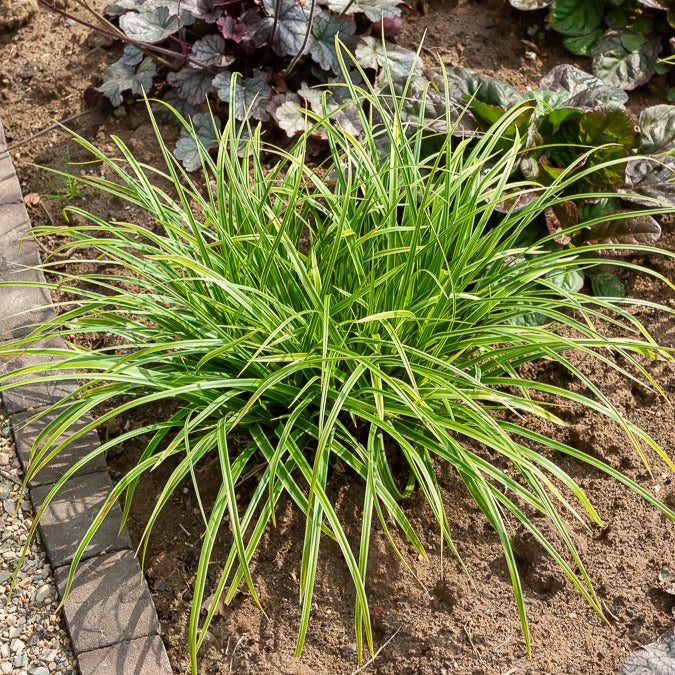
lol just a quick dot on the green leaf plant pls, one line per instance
(367, 310)
(623, 37)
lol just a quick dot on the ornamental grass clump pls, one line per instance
(374, 308)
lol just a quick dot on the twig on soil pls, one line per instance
(377, 653)
(609, 612)
(67, 255)
(239, 641)
(46, 210)
(473, 647)
(46, 130)
(501, 644)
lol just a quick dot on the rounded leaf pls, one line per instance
(632, 229)
(576, 17)
(620, 67)
(657, 129)
(152, 26)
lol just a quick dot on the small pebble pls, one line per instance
(40, 670)
(17, 646)
(20, 661)
(43, 593)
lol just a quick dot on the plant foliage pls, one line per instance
(623, 37)
(570, 123)
(189, 51)
(365, 311)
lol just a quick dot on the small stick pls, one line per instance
(9, 476)
(46, 130)
(377, 653)
(235, 650)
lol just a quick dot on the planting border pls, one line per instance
(109, 612)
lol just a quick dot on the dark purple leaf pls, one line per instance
(192, 84)
(90, 97)
(251, 95)
(387, 27)
(233, 30)
(209, 51)
(630, 229)
(290, 21)
(650, 180)
(204, 10)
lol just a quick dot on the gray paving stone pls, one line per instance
(109, 602)
(143, 656)
(18, 244)
(37, 395)
(22, 309)
(10, 191)
(109, 613)
(20, 306)
(26, 430)
(68, 516)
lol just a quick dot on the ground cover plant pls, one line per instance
(573, 121)
(187, 50)
(366, 311)
(623, 37)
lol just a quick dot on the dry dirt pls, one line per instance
(450, 623)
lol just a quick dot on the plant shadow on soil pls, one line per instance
(451, 625)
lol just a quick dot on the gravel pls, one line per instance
(33, 640)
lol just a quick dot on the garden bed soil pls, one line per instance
(449, 623)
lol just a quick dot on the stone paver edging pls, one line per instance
(109, 612)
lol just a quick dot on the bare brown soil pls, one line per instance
(450, 623)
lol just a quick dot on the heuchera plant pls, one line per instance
(623, 37)
(190, 49)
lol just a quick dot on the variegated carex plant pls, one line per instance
(370, 309)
